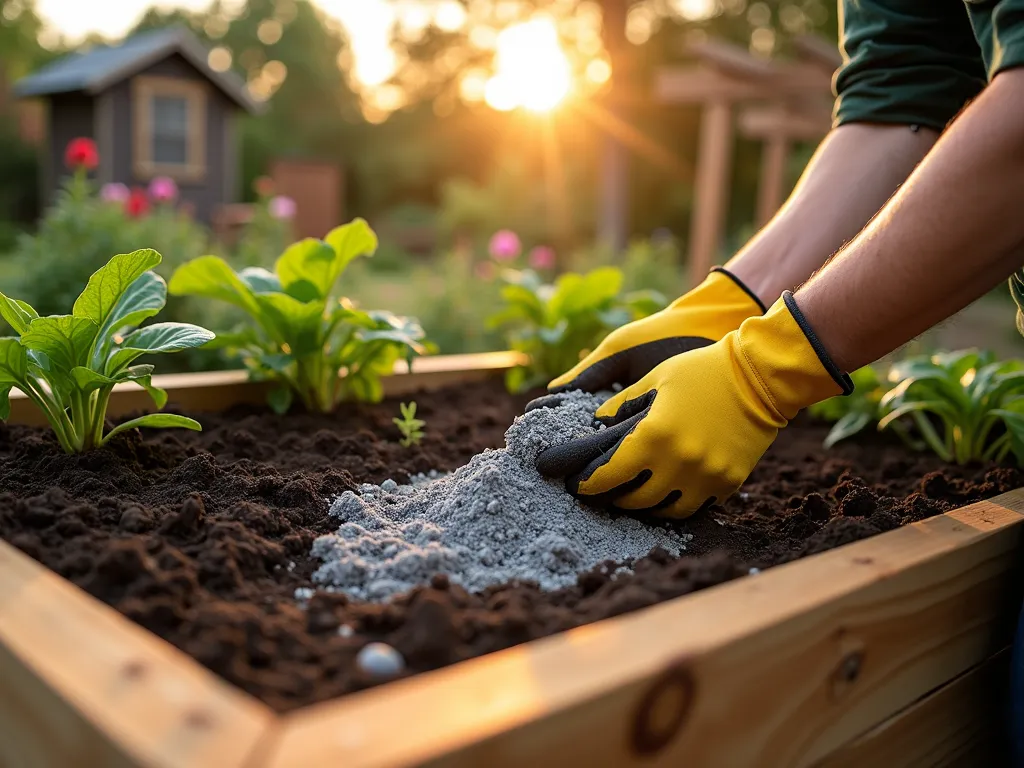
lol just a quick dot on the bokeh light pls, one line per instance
(531, 69)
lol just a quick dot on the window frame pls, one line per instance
(144, 89)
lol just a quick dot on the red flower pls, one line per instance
(137, 204)
(81, 153)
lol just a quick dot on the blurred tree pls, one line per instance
(448, 66)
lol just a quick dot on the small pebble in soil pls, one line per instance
(304, 593)
(754, 571)
(345, 631)
(380, 661)
(492, 521)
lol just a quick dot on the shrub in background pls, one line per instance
(556, 324)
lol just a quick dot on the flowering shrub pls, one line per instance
(78, 233)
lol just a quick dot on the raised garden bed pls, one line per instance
(887, 646)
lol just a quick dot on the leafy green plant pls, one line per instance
(554, 324)
(68, 364)
(965, 406)
(410, 427)
(1017, 292)
(852, 413)
(316, 347)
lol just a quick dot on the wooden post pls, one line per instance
(613, 214)
(771, 185)
(713, 168)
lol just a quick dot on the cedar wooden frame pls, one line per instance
(889, 647)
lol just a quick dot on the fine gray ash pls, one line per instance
(492, 521)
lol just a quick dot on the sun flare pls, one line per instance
(531, 69)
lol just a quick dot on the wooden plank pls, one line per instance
(766, 122)
(714, 161)
(772, 184)
(779, 669)
(958, 726)
(219, 390)
(696, 85)
(80, 685)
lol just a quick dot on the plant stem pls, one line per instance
(58, 419)
(932, 438)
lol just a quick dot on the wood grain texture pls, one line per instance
(958, 726)
(80, 685)
(218, 390)
(780, 669)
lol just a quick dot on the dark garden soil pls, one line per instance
(203, 538)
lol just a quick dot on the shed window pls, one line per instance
(170, 128)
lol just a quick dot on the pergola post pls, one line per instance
(799, 97)
(714, 164)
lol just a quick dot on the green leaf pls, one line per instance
(65, 339)
(5, 402)
(938, 407)
(280, 399)
(587, 292)
(260, 280)
(210, 276)
(350, 241)
(88, 380)
(18, 314)
(159, 338)
(295, 322)
(155, 421)
(847, 426)
(13, 361)
(234, 340)
(306, 269)
(143, 299)
(109, 283)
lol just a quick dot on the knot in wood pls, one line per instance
(662, 711)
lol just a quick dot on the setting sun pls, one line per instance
(531, 69)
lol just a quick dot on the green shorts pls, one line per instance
(920, 61)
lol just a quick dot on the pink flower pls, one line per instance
(542, 257)
(505, 245)
(115, 192)
(163, 189)
(282, 207)
(486, 271)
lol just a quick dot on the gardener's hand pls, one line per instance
(696, 319)
(690, 432)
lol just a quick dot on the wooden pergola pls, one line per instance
(779, 103)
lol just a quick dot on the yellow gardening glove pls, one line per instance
(696, 319)
(690, 432)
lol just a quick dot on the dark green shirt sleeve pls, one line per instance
(999, 25)
(906, 62)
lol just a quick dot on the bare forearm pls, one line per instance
(953, 232)
(854, 171)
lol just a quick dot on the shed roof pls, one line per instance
(99, 68)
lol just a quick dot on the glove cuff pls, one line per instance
(742, 286)
(842, 379)
(787, 361)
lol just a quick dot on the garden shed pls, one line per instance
(155, 107)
